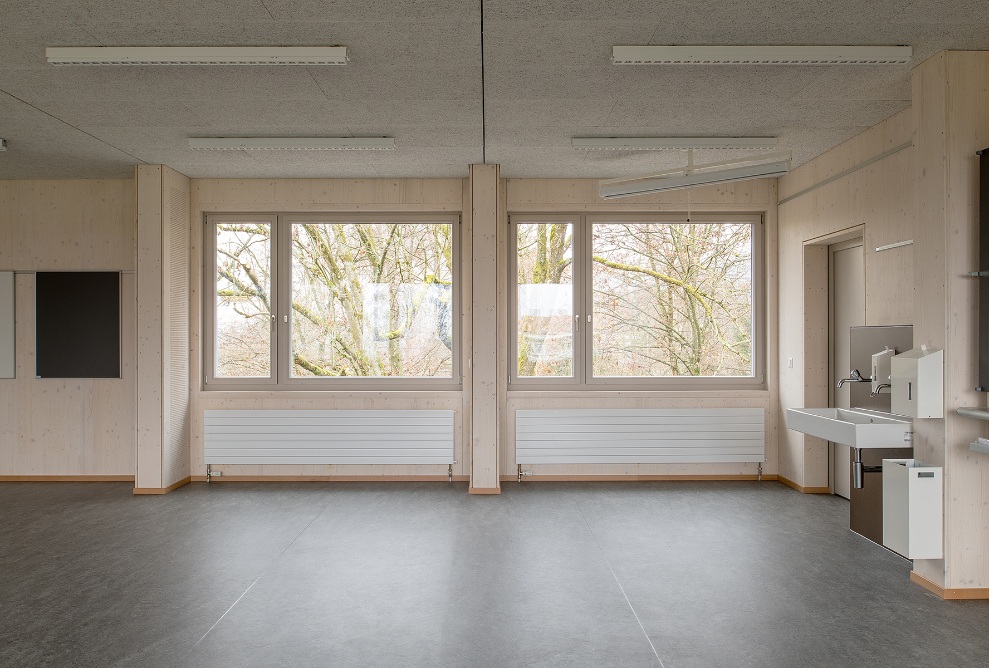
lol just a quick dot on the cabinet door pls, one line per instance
(904, 390)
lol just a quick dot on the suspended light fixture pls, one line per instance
(292, 143)
(197, 55)
(693, 176)
(761, 55)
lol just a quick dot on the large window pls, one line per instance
(329, 301)
(637, 301)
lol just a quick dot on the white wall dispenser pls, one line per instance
(917, 377)
(913, 514)
(881, 371)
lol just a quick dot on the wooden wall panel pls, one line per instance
(952, 117)
(70, 427)
(967, 493)
(876, 201)
(367, 195)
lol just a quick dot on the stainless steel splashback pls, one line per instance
(865, 342)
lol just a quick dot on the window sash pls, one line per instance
(281, 297)
(583, 295)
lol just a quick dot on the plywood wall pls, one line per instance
(163, 328)
(77, 427)
(951, 113)
(295, 195)
(580, 195)
(835, 196)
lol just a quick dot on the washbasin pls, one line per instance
(856, 427)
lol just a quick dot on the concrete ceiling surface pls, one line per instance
(418, 72)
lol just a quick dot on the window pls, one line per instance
(331, 301)
(639, 301)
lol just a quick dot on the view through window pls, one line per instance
(600, 299)
(296, 299)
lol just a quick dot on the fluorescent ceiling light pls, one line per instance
(630, 187)
(668, 143)
(197, 55)
(761, 55)
(293, 143)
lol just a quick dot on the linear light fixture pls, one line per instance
(669, 143)
(197, 55)
(293, 143)
(761, 55)
(629, 187)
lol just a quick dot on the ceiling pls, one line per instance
(416, 74)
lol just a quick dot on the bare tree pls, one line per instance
(369, 299)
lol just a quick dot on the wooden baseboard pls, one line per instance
(950, 594)
(484, 490)
(66, 478)
(535, 477)
(804, 490)
(143, 491)
(331, 478)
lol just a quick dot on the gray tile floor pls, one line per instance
(548, 574)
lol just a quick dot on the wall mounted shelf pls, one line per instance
(979, 447)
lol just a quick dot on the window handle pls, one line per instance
(576, 320)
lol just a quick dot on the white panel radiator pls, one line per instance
(329, 437)
(640, 436)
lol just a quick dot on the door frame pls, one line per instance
(833, 248)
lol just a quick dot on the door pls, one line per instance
(846, 270)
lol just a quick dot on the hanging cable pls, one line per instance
(484, 142)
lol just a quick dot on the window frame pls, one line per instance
(281, 299)
(583, 300)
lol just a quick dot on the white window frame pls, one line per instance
(583, 298)
(281, 300)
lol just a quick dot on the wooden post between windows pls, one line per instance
(484, 345)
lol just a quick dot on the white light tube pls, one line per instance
(670, 143)
(197, 55)
(292, 143)
(761, 55)
(664, 183)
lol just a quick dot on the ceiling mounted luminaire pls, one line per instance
(761, 55)
(197, 55)
(628, 188)
(293, 143)
(670, 143)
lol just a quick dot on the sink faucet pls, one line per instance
(856, 377)
(879, 388)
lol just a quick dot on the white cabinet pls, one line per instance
(913, 509)
(917, 379)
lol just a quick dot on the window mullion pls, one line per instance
(587, 301)
(283, 290)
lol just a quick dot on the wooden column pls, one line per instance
(162, 330)
(484, 181)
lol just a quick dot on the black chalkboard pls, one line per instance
(77, 324)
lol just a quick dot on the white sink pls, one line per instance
(856, 427)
